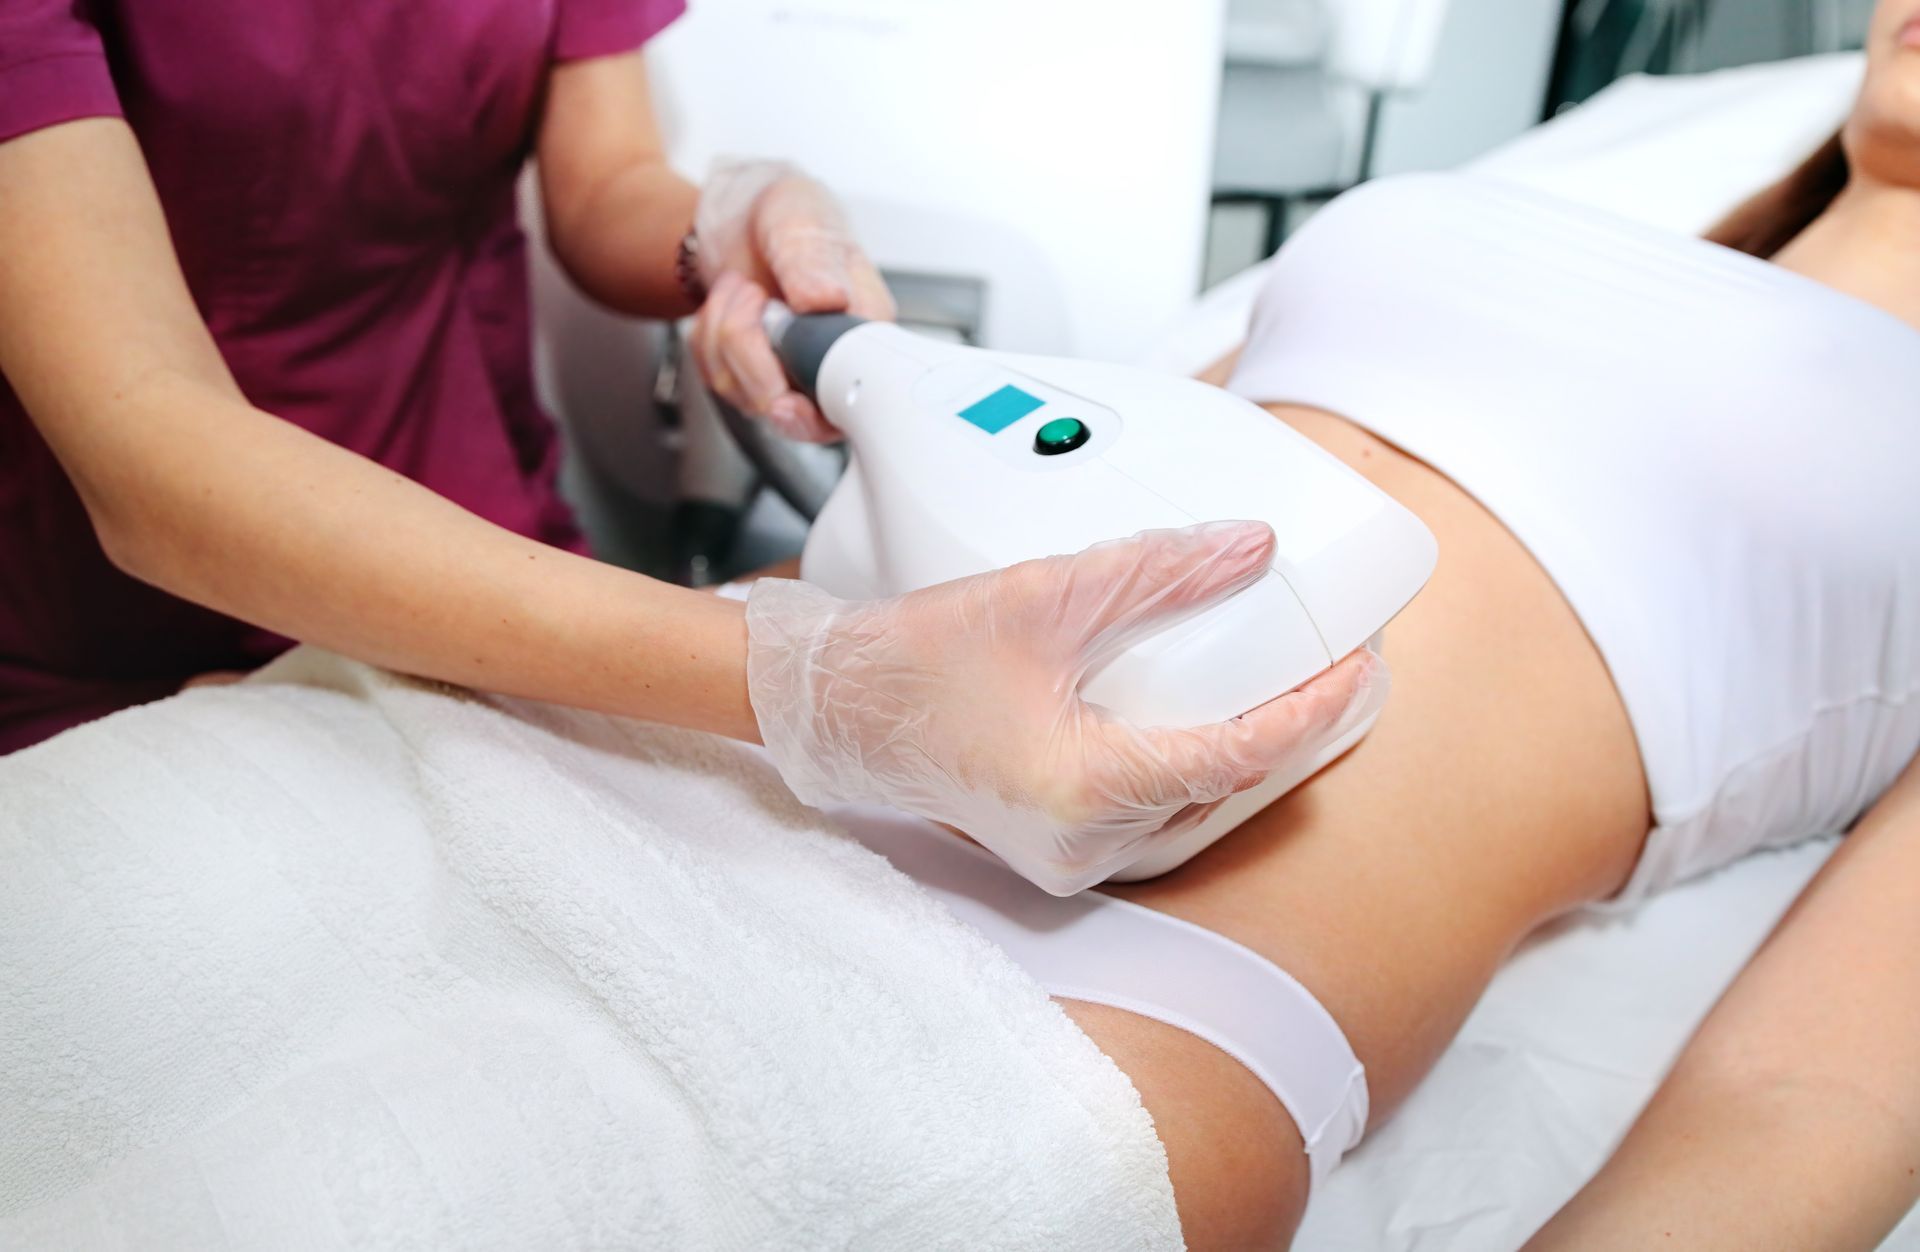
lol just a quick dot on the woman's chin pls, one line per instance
(1883, 136)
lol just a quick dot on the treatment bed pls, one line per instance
(333, 958)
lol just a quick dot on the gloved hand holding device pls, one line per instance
(764, 229)
(961, 703)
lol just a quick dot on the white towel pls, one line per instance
(339, 959)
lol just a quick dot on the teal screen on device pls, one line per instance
(1001, 409)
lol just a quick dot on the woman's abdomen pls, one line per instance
(1501, 786)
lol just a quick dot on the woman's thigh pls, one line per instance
(1238, 1165)
(1501, 786)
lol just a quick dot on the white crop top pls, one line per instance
(1716, 460)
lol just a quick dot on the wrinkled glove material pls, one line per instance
(960, 702)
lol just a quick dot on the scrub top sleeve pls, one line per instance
(52, 66)
(597, 28)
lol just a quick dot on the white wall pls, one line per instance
(1489, 83)
(1030, 143)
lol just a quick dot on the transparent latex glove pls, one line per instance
(961, 702)
(766, 230)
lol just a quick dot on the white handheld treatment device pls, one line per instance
(966, 460)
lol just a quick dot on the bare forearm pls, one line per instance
(1719, 1162)
(619, 242)
(1793, 1118)
(192, 489)
(288, 531)
(615, 209)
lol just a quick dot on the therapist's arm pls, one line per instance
(615, 210)
(192, 489)
(1792, 1120)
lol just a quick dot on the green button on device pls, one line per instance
(1062, 434)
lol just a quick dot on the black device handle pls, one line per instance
(804, 344)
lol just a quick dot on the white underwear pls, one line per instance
(1108, 951)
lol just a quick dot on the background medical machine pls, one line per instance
(966, 460)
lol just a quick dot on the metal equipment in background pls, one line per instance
(1305, 88)
(1604, 40)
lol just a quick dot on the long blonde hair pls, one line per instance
(1769, 221)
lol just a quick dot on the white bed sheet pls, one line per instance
(1576, 1032)
(1552, 1067)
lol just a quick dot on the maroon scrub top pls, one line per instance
(338, 177)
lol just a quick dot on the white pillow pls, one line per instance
(1680, 151)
